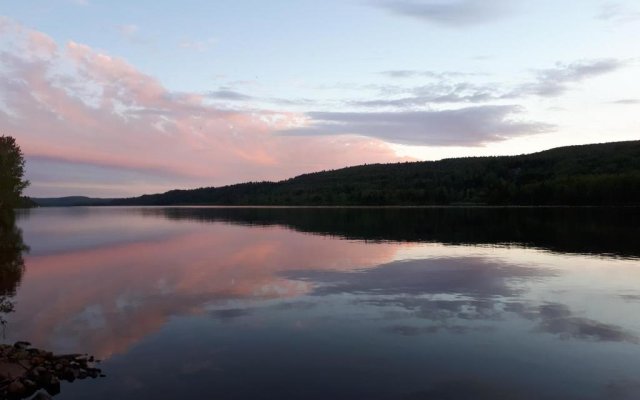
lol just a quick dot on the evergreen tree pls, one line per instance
(11, 173)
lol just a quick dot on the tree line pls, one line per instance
(598, 174)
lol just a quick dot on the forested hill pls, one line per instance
(597, 174)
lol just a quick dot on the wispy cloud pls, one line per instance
(556, 81)
(456, 13)
(471, 126)
(228, 94)
(440, 92)
(626, 101)
(128, 30)
(616, 12)
(408, 73)
(198, 45)
(133, 34)
(458, 87)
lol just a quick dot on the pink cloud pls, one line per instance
(83, 106)
(41, 44)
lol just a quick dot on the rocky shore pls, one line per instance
(26, 371)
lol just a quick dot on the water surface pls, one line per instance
(280, 303)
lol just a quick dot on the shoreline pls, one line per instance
(26, 371)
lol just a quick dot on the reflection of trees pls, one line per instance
(611, 231)
(11, 262)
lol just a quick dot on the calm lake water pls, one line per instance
(336, 303)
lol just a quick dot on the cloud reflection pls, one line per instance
(478, 289)
(559, 320)
(472, 276)
(104, 299)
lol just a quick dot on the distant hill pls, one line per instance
(69, 201)
(596, 174)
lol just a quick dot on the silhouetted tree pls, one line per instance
(11, 173)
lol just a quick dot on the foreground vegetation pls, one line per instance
(597, 174)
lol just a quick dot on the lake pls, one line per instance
(342, 303)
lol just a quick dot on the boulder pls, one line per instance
(42, 396)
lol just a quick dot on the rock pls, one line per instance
(44, 378)
(16, 388)
(10, 370)
(21, 345)
(19, 354)
(68, 356)
(25, 370)
(28, 383)
(37, 360)
(93, 372)
(54, 381)
(30, 387)
(53, 386)
(68, 375)
(42, 396)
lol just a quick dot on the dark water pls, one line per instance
(333, 303)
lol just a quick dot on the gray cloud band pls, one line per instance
(469, 126)
(457, 13)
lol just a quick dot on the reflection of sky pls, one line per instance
(189, 308)
(86, 228)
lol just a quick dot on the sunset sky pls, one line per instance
(121, 98)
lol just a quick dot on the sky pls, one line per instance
(120, 98)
